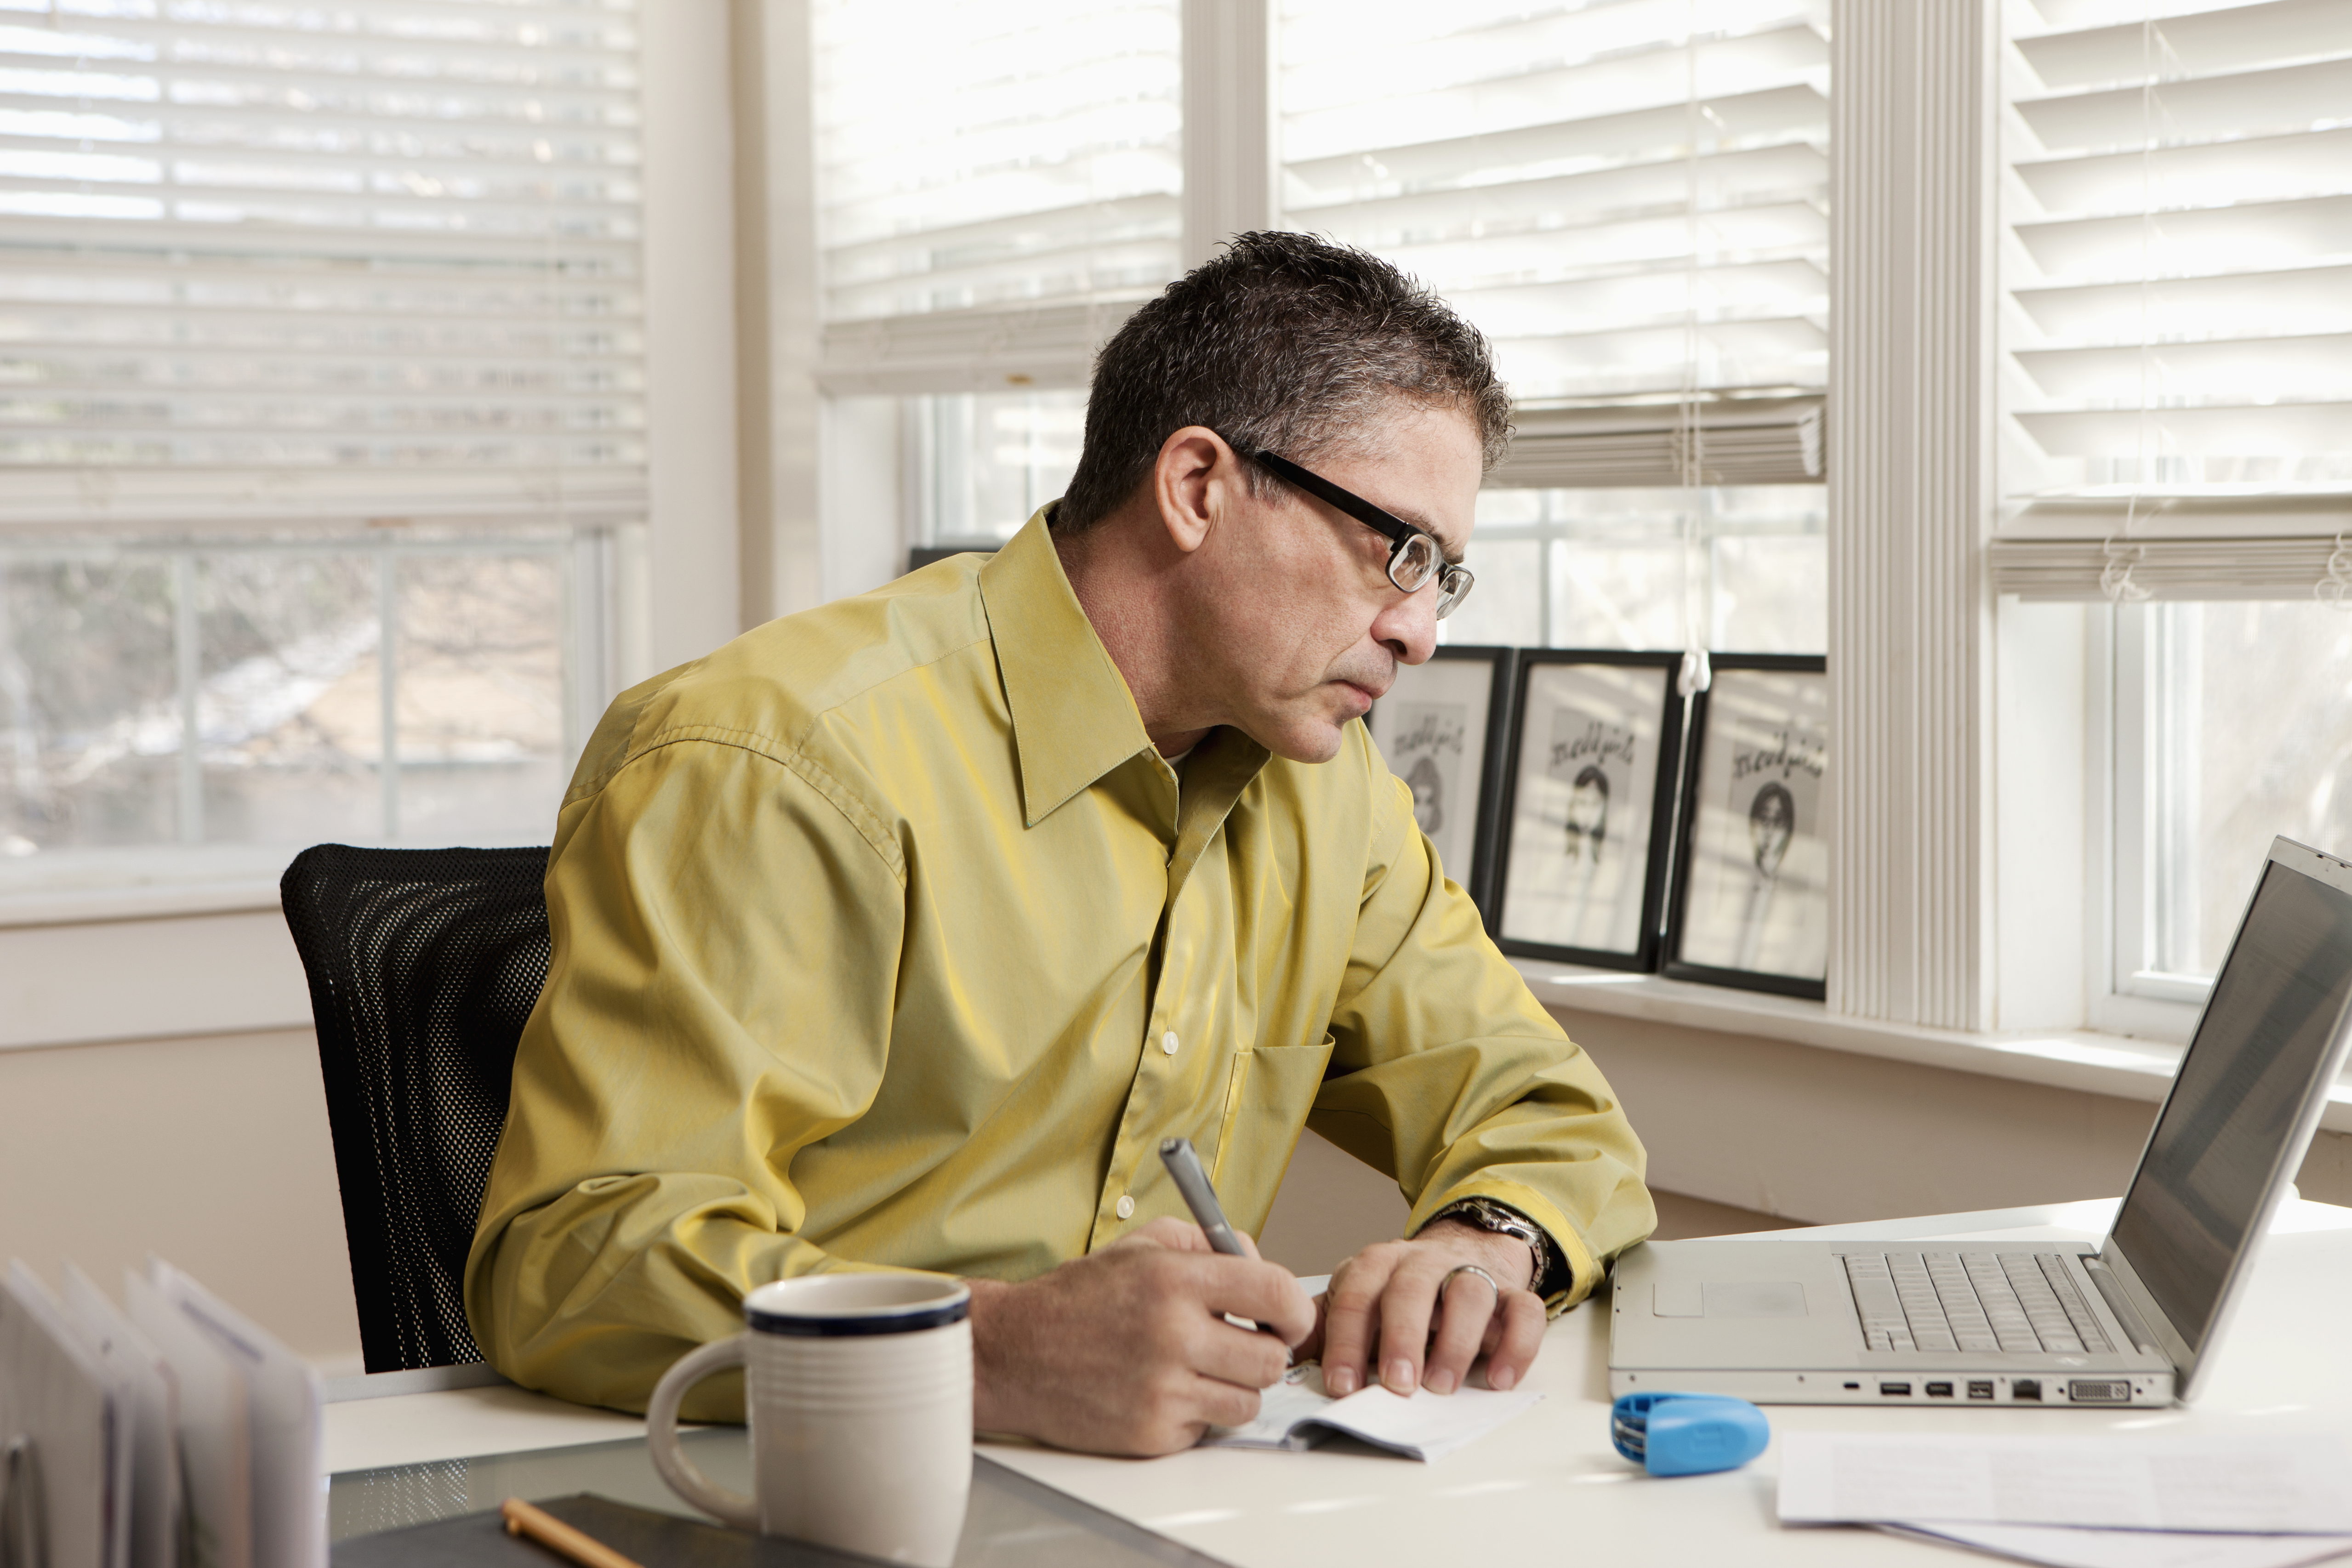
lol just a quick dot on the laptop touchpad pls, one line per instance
(1754, 1299)
(1727, 1299)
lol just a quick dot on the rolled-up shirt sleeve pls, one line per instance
(1449, 1075)
(688, 1043)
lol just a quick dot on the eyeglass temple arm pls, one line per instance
(1363, 511)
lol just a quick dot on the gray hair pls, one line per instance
(1288, 344)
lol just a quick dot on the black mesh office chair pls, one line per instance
(424, 965)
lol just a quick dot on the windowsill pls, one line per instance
(86, 887)
(2080, 1060)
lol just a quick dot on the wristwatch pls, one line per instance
(1502, 1220)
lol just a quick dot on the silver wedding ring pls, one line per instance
(1469, 1268)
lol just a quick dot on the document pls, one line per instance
(286, 1428)
(1297, 1414)
(215, 1437)
(2255, 1485)
(70, 1442)
(142, 1380)
(2059, 1547)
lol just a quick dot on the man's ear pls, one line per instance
(1195, 481)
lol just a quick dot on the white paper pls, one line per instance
(56, 1392)
(1297, 1414)
(215, 1440)
(142, 1378)
(284, 1411)
(2060, 1547)
(2254, 1484)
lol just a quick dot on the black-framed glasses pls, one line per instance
(1414, 557)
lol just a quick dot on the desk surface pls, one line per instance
(1549, 1481)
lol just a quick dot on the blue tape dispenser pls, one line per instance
(1687, 1434)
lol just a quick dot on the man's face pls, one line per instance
(1301, 629)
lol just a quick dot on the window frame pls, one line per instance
(669, 593)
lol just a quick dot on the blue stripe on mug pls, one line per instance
(928, 1315)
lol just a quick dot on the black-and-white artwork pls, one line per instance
(1441, 728)
(1591, 780)
(1752, 892)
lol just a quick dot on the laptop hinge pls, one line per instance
(2119, 1304)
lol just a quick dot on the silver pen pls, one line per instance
(1200, 1197)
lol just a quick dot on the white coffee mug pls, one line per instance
(858, 1388)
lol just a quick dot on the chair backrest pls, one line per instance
(424, 966)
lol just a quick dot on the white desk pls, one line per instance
(1548, 1487)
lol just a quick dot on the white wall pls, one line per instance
(212, 1152)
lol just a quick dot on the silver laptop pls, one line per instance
(2134, 1321)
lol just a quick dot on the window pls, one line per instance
(985, 462)
(1651, 263)
(1020, 154)
(322, 370)
(1631, 201)
(2177, 287)
(2239, 718)
(1611, 569)
(990, 206)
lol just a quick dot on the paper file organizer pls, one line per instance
(167, 1433)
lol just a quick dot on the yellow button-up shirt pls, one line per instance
(884, 936)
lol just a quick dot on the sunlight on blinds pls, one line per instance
(2178, 256)
(979, 155)
(268, 263)
(1631, 198)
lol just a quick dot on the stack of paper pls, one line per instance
(2083, 1501)
(174, 1435)
(1297, 1414)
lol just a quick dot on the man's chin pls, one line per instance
(1311, 740)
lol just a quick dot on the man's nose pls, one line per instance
(1407, 625)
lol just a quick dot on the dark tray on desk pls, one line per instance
(654, 1540)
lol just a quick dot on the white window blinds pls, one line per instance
(997, 186)
(2178, 268)
(265, 265)
(1631, 199)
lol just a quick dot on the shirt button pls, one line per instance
(1167, 1042)
(1126, 1207)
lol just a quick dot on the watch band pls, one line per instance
(1547, 1277)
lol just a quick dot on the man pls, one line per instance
(897, 933)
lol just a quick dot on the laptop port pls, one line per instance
(1940, 1390)
(1854, 1385)
(2099, 1391)
(2025, 1388)
(1895, 1391)
(1980, 1388)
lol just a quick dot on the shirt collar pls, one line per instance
(1073, 719)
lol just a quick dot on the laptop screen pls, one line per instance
(2240, 1092)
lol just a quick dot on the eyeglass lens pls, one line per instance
(1417, 560)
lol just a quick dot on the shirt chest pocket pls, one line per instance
(1266, 1102)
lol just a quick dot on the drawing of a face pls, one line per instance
(1428, 795)
(1772, 821)
(1587, 814)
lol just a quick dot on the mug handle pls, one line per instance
(661, 1434)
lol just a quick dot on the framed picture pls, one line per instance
(1442, 728)
(1751, 880)
(1591, 797)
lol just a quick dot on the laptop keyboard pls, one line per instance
(1970, 1300)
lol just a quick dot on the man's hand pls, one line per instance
(1386, 1296)
(1127, 1350)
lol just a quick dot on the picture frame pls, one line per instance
(1596, 738)
(1443, 728)
(1750, 906)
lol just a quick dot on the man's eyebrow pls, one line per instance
(1453, 553)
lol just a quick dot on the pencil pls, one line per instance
(522, 1518)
